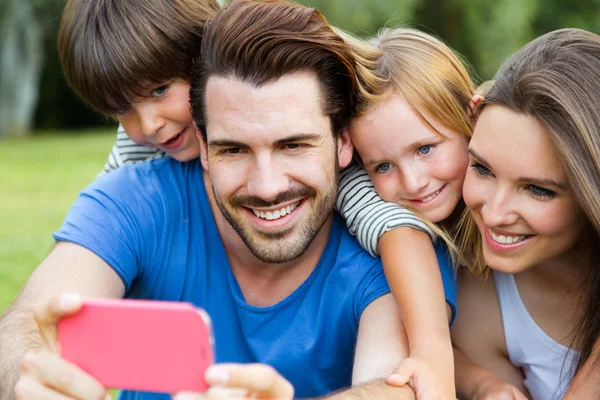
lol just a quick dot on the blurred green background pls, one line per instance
(52, 145)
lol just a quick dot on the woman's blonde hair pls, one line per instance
(425, 72)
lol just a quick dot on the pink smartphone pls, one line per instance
(152, 346)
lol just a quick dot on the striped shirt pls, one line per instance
(367, 215)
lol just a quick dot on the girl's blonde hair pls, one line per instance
(425, 72)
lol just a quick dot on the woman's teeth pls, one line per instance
(271, 215)
(431, 197)
(506, 239)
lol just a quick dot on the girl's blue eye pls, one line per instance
(424, 150)
(159, 91)
(540, 192)
(383, 167)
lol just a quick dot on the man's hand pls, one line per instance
(236, 381)
(419, 376)
(45, 375)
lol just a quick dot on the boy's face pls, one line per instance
(163, 120)
(273, 161)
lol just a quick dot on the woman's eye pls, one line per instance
(540, 192)
(424, 150)
(159, 91)
(383, 167)
(481, 170)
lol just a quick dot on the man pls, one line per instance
(247, 232)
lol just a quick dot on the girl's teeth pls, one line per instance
(429, 198)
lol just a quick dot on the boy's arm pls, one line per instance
(126, 151)
(481, 358)
(68, 268)
(411, 268)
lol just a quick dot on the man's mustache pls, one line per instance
(256, 202)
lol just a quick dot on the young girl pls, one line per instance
(533, 192)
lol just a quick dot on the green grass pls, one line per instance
(40, 178)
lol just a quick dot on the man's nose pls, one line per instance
(267, 180)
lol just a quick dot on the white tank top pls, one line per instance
(546, 363)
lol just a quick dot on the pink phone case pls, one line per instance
(152, 346)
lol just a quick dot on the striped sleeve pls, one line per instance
(367, 215)
(126, 151)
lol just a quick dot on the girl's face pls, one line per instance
(410, 163)
(518, 193)
(163, 120)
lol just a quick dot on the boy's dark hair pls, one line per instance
(114, 50)
(260, 41)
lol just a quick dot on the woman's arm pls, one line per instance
(483, 369)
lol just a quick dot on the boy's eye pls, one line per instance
(481, 170)
(540, 192)
(159, 91)
(383, 167)
(424, 150)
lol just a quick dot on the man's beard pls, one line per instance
(283, 246)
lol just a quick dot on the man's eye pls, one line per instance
(159, 91)
(383, 167)
(424, 150)
(231, 151)
(293, 146)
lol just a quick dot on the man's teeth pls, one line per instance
(431, 197)
(271, 215)
(506, 239)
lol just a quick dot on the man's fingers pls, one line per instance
(47, 316)
(27, 388)
(63, 377)
(259, 379)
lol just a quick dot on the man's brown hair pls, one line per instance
(260, 41)
(114, 50)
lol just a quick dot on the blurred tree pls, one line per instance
(364, 17)
(20, 66)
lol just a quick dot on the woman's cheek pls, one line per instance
(473, 190)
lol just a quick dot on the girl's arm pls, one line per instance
(412, 270)
(126, 151)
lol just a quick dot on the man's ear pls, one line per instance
(473, 105)
(345, 149)
(203, 147)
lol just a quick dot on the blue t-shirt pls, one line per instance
(152, 223)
